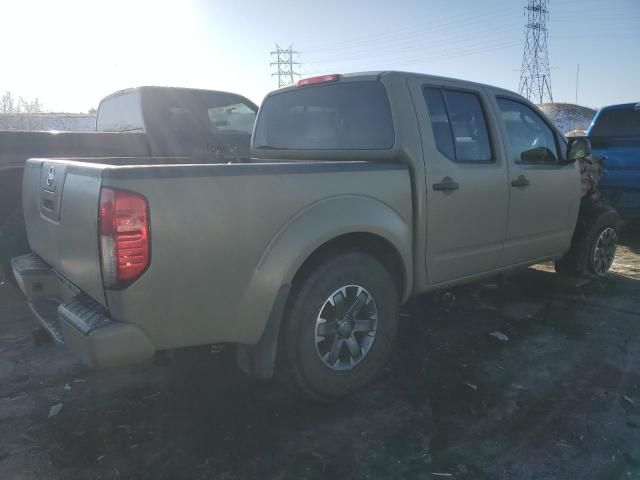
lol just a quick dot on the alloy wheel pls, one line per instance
(605, 251)
(346, 327)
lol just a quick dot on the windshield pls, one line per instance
(238, 117)
(196, 110)
(617, 122)
(205, 125)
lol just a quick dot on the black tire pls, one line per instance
(580, 260)
(299, 362)
(13, 242)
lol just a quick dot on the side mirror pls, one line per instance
(537, 155)
(578, 148)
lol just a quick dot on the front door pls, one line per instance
(544, 193)
(467, 194)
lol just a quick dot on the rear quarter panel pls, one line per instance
(224, 239)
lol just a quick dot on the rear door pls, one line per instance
(544, 194)
(467, 195)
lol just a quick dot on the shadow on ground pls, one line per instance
(556, 395)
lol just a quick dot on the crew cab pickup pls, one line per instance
(181, 124)
(615, 135)
(361, 191)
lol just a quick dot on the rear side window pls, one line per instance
(617, 122)
(120, 113)
(440, 121)
(338, 116)
(459, 126)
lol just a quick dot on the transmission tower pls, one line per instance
(535, 75)
(286, 65)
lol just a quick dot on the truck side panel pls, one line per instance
(218, 233)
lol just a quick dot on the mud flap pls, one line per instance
(259, 360)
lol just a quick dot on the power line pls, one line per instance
(464, 40)
(425, 58)
(535, 74)
(285, 65)
(462, 21)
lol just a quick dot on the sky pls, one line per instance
(71, 53)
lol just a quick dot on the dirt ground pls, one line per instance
(558, 397)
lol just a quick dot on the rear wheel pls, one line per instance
(339, 327)
(594, 244)
(13, 242)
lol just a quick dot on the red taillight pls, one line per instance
(320, 79)
(124, 236)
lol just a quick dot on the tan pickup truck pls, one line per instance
(361, 191)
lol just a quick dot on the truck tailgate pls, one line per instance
(60, 202)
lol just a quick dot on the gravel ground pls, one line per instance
(556, 396)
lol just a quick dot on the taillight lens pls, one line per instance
(124, 236)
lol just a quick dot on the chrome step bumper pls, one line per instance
(76, 320)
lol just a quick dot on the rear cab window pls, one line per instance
(353, 115)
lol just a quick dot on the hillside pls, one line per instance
(568, 116)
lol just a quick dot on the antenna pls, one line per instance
(535, 75)
(577, 79)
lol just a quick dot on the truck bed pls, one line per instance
(224, 237)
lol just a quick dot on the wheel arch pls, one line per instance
(372, 244)
(333, 225)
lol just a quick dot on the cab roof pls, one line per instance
(377, 74)
(168, 89)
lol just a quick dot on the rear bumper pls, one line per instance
(76, 320)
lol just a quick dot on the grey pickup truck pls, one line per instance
(169, 124)
(361, 191)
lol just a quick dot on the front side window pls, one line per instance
(530, 138)
(459, 125)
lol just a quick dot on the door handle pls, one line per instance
(521, 181)
(447, 184)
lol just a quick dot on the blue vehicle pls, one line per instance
(615, 135)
